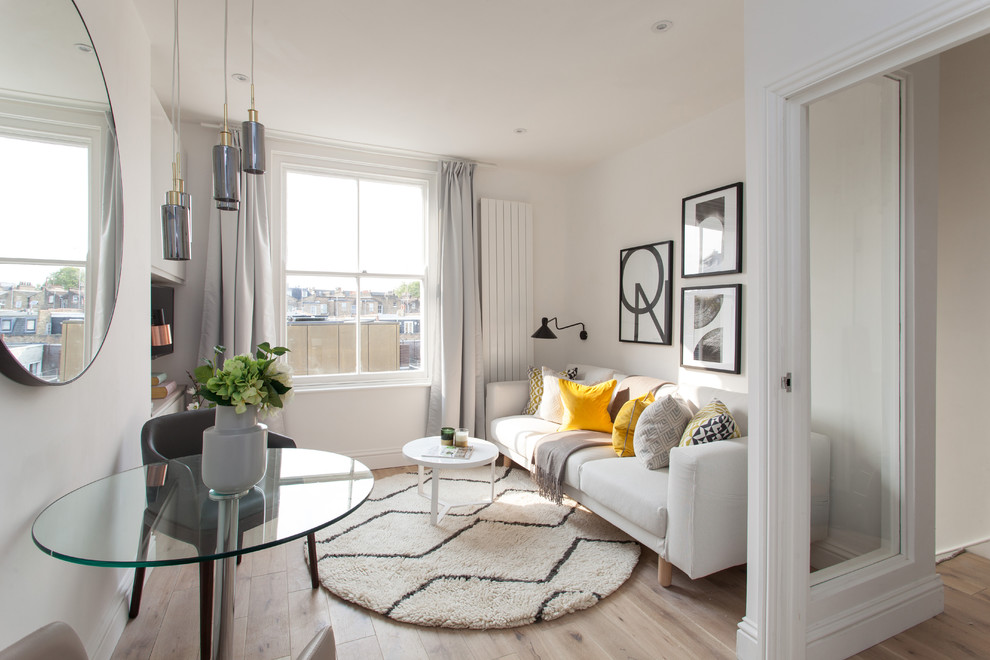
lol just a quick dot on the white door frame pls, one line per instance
(785, 616)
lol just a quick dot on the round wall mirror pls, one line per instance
(60, 181)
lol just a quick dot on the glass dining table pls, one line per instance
(162, 514)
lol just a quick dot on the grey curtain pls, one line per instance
(457, 391)
(238, 302)
(104, 281)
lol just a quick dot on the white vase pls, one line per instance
(235, 451)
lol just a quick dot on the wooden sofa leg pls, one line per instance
(665, 572)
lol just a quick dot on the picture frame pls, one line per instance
(645, 293)
(711, 325)
(711, 232)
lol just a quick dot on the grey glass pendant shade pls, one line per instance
(177, 226)
(253, 136)
(226, 182)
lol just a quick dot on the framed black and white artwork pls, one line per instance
(645, 299)
(711, 323)
(711, 232)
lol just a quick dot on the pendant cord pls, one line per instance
(225, 12)
(175, 67)
(252, 47)
(178, 84)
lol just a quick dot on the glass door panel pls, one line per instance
(854, 193)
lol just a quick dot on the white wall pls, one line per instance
(630, 199)
(59, 438)
(962, 452)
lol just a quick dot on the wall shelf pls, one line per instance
(174, 402)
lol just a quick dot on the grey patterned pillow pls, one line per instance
(659, 430)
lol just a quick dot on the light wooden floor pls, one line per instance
(277, 612)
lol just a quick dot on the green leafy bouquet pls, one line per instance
(263, 381)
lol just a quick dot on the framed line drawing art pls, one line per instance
(711, 324)
(645, 299)
(711, 232)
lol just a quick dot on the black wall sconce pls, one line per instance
(544, 332)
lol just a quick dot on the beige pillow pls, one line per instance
(551, 407)
(536, 388)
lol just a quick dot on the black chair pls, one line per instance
(175, 436)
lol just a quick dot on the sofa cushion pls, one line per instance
(625, 486)
(712, 423)
(625, 424)
(659, 430)
(577, 460)
(632, 387)
(736, 402)
(589, 374)
(536, 388)
(519, 433)
(586, 406)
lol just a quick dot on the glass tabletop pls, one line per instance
(162, 514)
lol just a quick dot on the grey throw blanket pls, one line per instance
(550, 456)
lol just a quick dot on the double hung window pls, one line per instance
(356, 277)
(50, 179)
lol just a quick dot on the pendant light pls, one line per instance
(226, 157)
(177, 209)
(253, 132)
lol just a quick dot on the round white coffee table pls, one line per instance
(484, 453)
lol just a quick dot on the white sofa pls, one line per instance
(692, 513)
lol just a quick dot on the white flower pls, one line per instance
(193, 406)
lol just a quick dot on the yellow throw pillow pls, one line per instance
(586, 406)
(712, 423)
(625, 424)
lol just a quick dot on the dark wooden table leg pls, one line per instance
(205, 609)
(136, 592)
(314, 570)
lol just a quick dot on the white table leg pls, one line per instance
(420, 488)
(434, 494)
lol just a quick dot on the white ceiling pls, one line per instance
(585, 78)
(40, 37)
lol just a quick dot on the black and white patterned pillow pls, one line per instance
(719, 427)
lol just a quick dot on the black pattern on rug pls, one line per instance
(512, 562)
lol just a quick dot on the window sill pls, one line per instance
(369, 385)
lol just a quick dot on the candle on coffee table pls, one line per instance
(461, 437)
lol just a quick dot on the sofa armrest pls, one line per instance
(706, 507)
(505, 398)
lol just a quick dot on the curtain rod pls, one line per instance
(360, 147)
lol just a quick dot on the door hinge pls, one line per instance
(785, 382)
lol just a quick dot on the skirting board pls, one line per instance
(381, 458)
(114, 621)
(747, 644)
(862, 627)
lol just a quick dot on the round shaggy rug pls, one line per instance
(519, 560)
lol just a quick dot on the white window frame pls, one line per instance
(78, 124)
(302, 156)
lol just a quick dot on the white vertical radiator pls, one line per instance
(507, 288)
